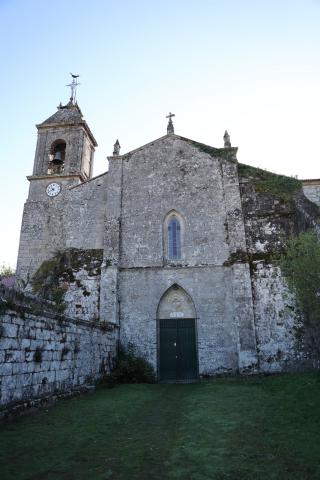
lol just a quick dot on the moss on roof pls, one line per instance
(226, 153)
(281, 185)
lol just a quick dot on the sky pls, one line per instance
(249, 66)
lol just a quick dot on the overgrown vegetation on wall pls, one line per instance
(225, 153)
(300, 264)
(280, 185)
(53, 276)
(21, 303)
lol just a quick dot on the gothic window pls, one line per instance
(57, 157)
(174, 239)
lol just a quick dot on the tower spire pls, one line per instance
(227, 141)
(170, 127)
(73, 86)
(116, 148)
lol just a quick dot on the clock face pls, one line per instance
(53, 189)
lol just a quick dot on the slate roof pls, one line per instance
(69, 113)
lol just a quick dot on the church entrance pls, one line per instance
(178, 360)
(177, 337)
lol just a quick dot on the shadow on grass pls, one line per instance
(258, 428)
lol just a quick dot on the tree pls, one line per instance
(6, 270)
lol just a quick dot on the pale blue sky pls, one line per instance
(252, 67)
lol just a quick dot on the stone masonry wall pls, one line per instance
(43, 355)
(82, 297)
(42, 234)
(275, 320)
(85, 213)
(75, 218)
(311, 189)
(211, 292)
(269, 218)
(201, 185)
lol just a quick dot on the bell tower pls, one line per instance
(65, 146)
(63, 158)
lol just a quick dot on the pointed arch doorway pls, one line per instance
(177, 336)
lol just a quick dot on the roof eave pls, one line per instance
(83, 123)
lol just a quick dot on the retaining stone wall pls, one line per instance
(43, 355)
(312, 191)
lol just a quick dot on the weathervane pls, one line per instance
(73, 85)
(170, 128)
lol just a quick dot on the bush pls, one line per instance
(6, 270)
(300, 265)
(130, 368)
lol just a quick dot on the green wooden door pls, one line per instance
(178, 353)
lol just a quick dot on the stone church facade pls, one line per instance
(173, 246)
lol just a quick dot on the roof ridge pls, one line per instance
(231, 151)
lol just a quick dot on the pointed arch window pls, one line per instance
(174, 239)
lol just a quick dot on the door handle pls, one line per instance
(174, 344)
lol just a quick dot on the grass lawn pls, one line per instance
(235, 429)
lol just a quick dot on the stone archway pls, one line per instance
(177, 336)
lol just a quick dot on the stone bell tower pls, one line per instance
(64, 157)
(65, 145)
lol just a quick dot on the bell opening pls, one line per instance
(57, 157)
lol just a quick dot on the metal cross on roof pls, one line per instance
(170, 115)
(73, 85)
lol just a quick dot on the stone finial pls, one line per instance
(116, 148)
(170, 127)
(226, 138)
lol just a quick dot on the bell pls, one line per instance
(57, 157)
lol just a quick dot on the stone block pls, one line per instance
(11, 330)
(25, 343)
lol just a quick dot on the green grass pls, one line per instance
(227, 429)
